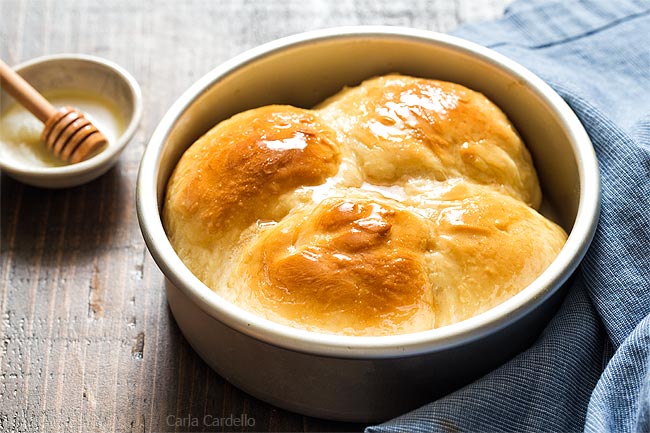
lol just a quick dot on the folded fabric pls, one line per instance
(590, 368)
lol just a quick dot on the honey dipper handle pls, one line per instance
(24, 93)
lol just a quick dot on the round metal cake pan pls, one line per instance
(368, 378)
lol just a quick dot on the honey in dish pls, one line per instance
(20, 131)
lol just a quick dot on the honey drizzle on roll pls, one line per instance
(396, 206)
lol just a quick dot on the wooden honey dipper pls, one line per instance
(67, 132)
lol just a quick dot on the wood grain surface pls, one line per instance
(87, 342)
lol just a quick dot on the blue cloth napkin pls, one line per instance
(590, 368)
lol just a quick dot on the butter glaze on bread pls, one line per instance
(350, 264)
(398, 206)
(234, 174)
(403, 127)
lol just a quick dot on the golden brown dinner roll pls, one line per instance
(404, 126)
(395, 207)
(488, 247)
(348, 265)
(234, 174)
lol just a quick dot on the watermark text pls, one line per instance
(241, 420)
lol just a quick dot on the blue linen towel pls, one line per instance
(590, 368)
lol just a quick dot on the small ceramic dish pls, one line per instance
(81, 75)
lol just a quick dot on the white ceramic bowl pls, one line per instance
(76, 72)
(368, 378)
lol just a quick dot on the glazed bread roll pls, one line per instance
(404, 127)
(400, 205)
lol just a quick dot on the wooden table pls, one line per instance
(87, 340)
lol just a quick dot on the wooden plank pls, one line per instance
(87, 340)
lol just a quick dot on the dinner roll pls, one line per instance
(402, 126)
(398, 206)
(349, 265)
(488, 246)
